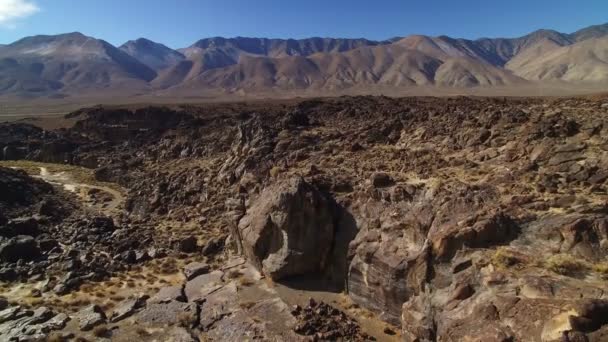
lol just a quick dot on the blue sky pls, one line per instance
(179, 23)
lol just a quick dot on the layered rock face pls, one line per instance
(289, 230)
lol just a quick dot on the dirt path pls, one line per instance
(114, 199)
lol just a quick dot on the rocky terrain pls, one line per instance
(74, 66)
(351, 218)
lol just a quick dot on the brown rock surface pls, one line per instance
(289, 230)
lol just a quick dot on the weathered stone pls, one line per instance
(187, 245)
(195, 269)
(91, 317)
(128, 308)
(381, 180)
(19, 248)
(41, 315)
(496, 229)
(12, 313)
(168, 294)
(20, 226)
(198, 288)
(167, 313)
(218, 304)
(289, 230)
(213, 246)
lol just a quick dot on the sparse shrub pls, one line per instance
(141, 332)
(503, 258)
(245, 282)
(234, 274)
(185, 320)
(101, 331)
(275, 171)
(601, 268)
(566, 265)
(55, 337)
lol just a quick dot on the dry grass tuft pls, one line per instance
(504, 258)
(567, 265)
(185, 320)
(246, 282)
(101, 331)
(234, 274)
(142, 332)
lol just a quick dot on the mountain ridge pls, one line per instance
(72, 64)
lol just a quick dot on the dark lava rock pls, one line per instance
(213, 246)
(187, 245)
(325, 323)
(19, 248)
(382, 180)
(21, 226)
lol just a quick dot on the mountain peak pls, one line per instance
(154, 55)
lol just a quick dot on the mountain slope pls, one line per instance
(70, 62)
(388, 65)
(211, 53)
(595, 31)
(73, 64)
(586, 61)
(154, 55)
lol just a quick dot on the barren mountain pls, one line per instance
(154, 55)
(585, 61)
(73, 64)
(595, 31)
(388, 65)
(69, 62)
(212, 53)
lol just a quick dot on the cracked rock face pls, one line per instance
(289, 230)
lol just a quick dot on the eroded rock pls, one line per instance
(288, 230)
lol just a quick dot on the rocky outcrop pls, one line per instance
(289, 230)
(456, 218)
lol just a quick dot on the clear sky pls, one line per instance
(179, 23)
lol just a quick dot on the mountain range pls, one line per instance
(77, 65)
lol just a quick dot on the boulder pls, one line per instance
(168, 294)
(187, 245)
(381, 180)
(200, 287)
(213, 246)
(289, 230)
(495, 229)
(20, 226)
(194, 269)
(128, 308)
(21, 247)
(170, 313)
(91, 317)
